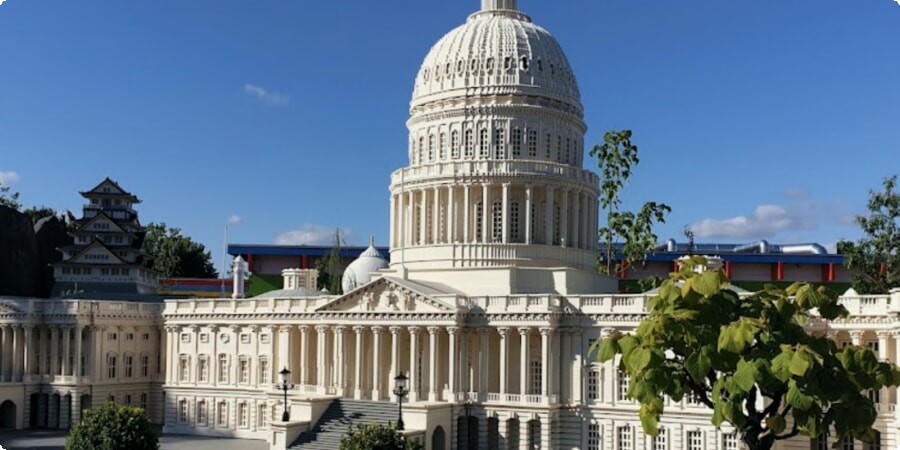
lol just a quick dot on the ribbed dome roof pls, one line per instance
(499, 51)
(360, 271)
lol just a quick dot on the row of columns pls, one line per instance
(412, 210)
(40, 350)
(175, 348)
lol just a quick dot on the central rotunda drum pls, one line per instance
(495, 194)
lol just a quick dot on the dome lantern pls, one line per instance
(493, 5)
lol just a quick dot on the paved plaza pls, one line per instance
(55, 440)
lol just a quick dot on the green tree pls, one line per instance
(700, 338)
(331, 266)
(9, 198)
(616, 158)
(112, 427)
(373, 436)
(876, 257)
(176, 255)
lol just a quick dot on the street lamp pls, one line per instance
(400, 390)
(285, 386)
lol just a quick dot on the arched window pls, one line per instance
(454, 144)
(421, 155)
(243, 412)
(262, 417)
(443, 147)
(499, 142)
(222, 414)
(493, 432)
(549, 145)
(202, 413)
(512, 433)
(430, 148)
(534, 434)
(497, 221)
(483, 143)
(514, 234)
(469, 144)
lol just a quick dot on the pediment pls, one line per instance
(386, 296)
(101, 222)
(6, 308)
(97, 253)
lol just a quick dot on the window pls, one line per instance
(262, 416)
(223, 368)
(593, 437)
(146, 336)
(661, 440)
(499, 142)
(876, 443)
(129, 366)
(516, 142)
(479, 221)
(244, 370)
(593, 384)
(558, 148)
(143, 404)
(127, 399)
(264, 339)
(185, 338)
(847, 443)
(222, 414)
(145, 365)
(549, 144)
(203, 369)
(497, 222)
(245, 338)
(514, 235)
(204, 338)
(421, 150)
(184, 368)
(111, 367)
(264, 370)
(534, 434)
(243, 415)
(112, 398)
(729, 441)
(532, 143)
(512, 433)
(568, 149)
(483, 143)
(201, 412)
(430, 148)
(622, 380)
(183, 411)
(695, 440)
(820, 442)
(443, 147)
(112, 336)
(454, 144)
(470, 145)
(537, 376)
(129, 336)
(623, 436)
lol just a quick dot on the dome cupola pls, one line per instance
(360, 271)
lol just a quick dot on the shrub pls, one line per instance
(112, 427)
(373, 436)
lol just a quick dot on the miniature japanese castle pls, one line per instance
(106, 255)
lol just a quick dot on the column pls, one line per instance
(436, 217)
(433, 364)
(548, 216)
(485, 213)
(413, 364)
(451, 364)
(856, 337)
(236, 366)
(395, 354)
(304, 354)
(400, 228)
(320, 358)
(194, 358)
(376, 362)
(214, 358)
(54, 352)
(393, 223)
(26, 351)
(3, 366)
(76, 407)
(545, 354)
(564, 218)
(423, 214)
(97, 352)
(15, 367)
(883, 396)
(467, 210)
(358, 385)
(529, 194)
(577, 365)
(523, 361)
(576, 220)
(451, 215)
(254, 369)
(484, 364)
(465, 382)
(504, 360)
(284, 346)
(505, 213)
(78, 350)
(338, 360)
(411, 220)
(585, 222)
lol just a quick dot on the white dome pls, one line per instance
(360, 271)
(497, 51)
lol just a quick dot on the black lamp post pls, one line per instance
(285, 386)
(400, 390)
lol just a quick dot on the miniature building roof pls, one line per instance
(115, 191)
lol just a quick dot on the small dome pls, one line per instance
(360, 271)
(496, 51)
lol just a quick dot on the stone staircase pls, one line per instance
(337, 419)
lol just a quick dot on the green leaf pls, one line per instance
(800, 362)
(797, 398)
(608, 350)
(698, 365)
(745, 375)
(649, 422)
(776, 424)
(708, 283)
(639, 359)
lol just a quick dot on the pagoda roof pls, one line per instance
(92, 245)
(85, 222)
(96, 191)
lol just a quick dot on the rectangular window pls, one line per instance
(143, 404)
(127, 399)
(243, 415)
(500, 142)
(483, 143)
(593, 437)
(661, 440)
(223, 368)
(203, 369)
(201, 412)
(537, 375)
(245, 338)
(847, 443)
(264, 371)
(185, 368)
(185, 338)
(532, 143)
(454, 144)
(623, 435)
(112, 336)
(244, 370)
(470, 145)
(516, 142)
(729, 441)
(111, 367)
(146, 336)
(183, 411)
(262, 418)
(204, 338)
(264, 339)
(222, 414)
(695, 440)
(112, 398)
(443, 147)
(129, 336)
(593, 384)
(622, 380)
(129, 366)
(145, 366)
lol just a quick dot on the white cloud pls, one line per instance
(765, 221)
(8, 177)
(271, 98)
(234, 219)
(312, 234)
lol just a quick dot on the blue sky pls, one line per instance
(766, 119)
